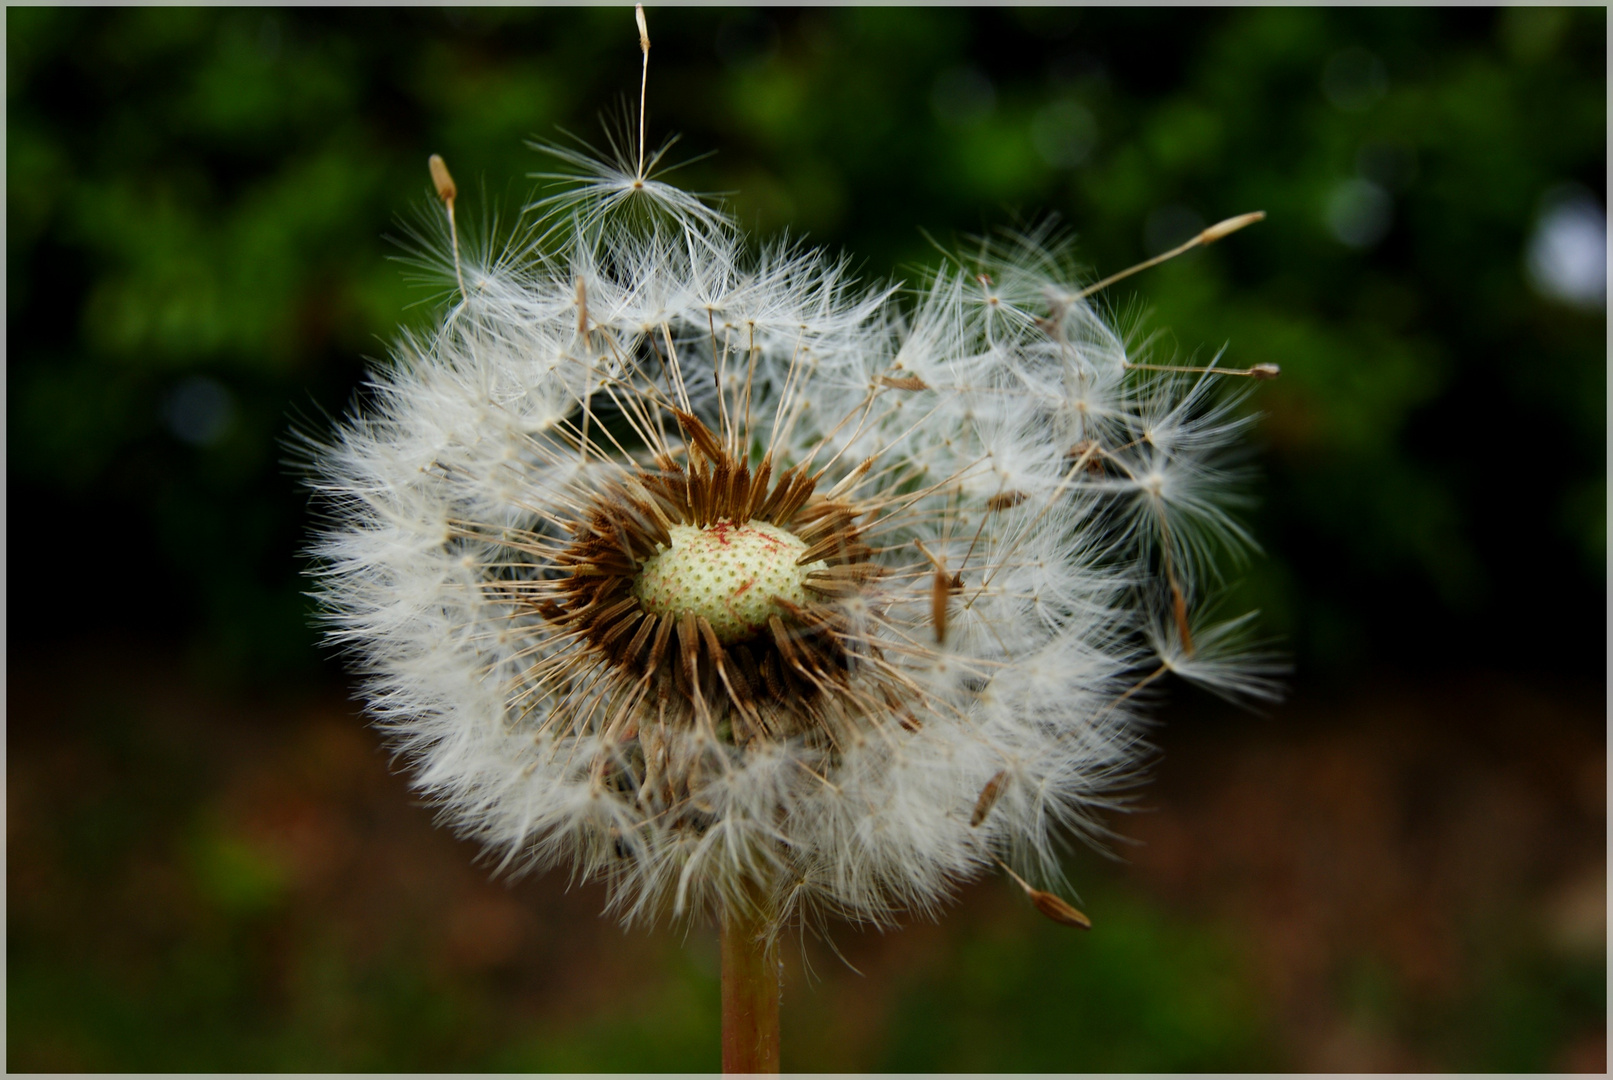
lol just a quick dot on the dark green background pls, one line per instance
(199, 204)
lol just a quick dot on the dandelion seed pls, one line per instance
(1050, 904)
(448, 192)
(1059, 910)
(988, 798)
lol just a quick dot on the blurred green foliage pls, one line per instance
(1145, 995)
(199, 207)
(197, 201)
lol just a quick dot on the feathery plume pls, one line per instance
(759, 594)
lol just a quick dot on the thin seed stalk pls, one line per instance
(751, 989)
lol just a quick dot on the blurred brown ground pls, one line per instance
(1375, 857)
(1404, 828)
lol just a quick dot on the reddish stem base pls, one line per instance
(751, 988)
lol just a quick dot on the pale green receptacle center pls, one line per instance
(734, 575)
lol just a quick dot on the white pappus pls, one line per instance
(712, 574)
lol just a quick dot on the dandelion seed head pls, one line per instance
(705, 570)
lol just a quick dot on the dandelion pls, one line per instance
(760, 595)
